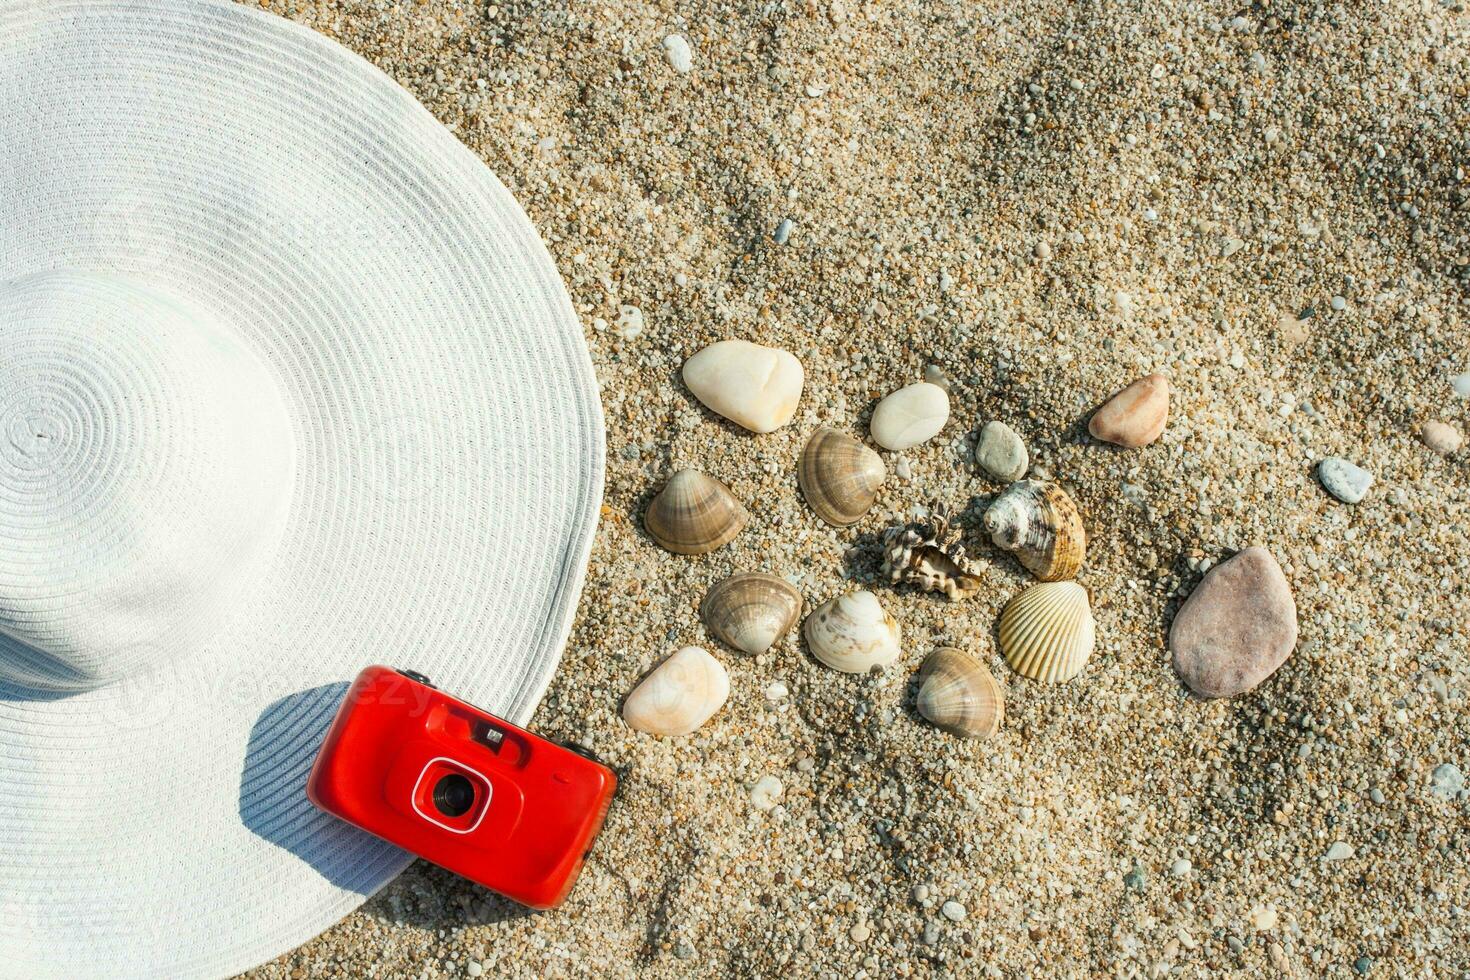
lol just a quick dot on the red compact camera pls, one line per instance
(459, 787)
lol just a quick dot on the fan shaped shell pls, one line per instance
(750, 610)
(853, 633)
(839, 476)
(1047, 632)
(959, 695)
(1041, 524)
(694, 514)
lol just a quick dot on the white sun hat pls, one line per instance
(288, 386)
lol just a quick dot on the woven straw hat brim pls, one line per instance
(448, 464)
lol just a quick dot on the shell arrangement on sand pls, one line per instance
(1041, 524)
(959, 695)
(750, 610)
(922, 554)
(679, 694)
(694, 514)
(1047, 632)
(839, 476)
(853, 633)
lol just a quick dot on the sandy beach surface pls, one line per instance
(1046, 200)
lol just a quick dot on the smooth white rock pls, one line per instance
(766, 793)
(954, 911)
(910, 416)
(754, 386)
(679, 695)
(677, 53)
(1345, 481)
(1340, 851)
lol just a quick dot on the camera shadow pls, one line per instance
(427, 896)
(273, 805)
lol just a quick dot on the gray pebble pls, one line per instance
(1340, 851)
(1461, 384)
(1000, 453)
(1344, 480)
(783, 230)
(1376, 795)
(931, 933)
(953, 911)
(1447, 781)
(1135, 878)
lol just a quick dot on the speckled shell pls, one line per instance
(959, 695)
(750, 610)
(694, 514)
(1047, 632)
(852, 633)
(1041, 524)
(839, 476)
(679, 694)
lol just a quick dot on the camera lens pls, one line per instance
(454, 795)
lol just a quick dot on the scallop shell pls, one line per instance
(853, 633)
(839, 476)
(694, 514)
(678, 695)
(959, 695)
(750, 610)
(922, 554)
(1041, 524)
(1047, 631)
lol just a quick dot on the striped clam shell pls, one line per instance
(694, 514)
(1047, 632)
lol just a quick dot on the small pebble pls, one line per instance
(1441, 437)
(1042, 251)
(775, 691)
(1376, 795)
(677, 53)
(1338, 303)
(1135, 416)
(474, 969)
(1340, 851)
(1000, 453)
(1135, 878)
(630, 322)
(910, 416)
(953, 911)
(1447, 781)
(1346, 481)
(766, 793)
(1181, 867)
(1363, 964)
(1460, 383)
(1236, 628)
(931, 933)
(921, 893)
(860, 932)
(783, 231)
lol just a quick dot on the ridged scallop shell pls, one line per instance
(679, 694)
(1047, 632)
(839, 476)
(922, 554)
(750, 610)
(1041, 524)
(853, 633)
(694, 514)
(959, 695)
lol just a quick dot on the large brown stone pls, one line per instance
(1136, 415)
(1236, 628)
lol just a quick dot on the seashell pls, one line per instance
(1047, 631)
(753, 386)
(959, 695)
(1041, 524)
(750, 610)
(839, 476)
(922, 554)
(852, 633)
(910, 416)
(678, 695)
(694, 514)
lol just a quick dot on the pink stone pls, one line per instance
(1236, 628)
(1134, 416)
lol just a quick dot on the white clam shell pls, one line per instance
(1047, 632)
(750, 610)
(853, 633)
(679, 694)
(753, 386)
(910, 416)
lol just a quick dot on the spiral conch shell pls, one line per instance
(1041, 524)
(922, 554)
(694, 514)
(1047, 632)
(679, 694)
(853, 633)
(839, 476)
(959, 695)
(750, 610)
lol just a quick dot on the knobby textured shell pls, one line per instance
(839, 476)
(694, 514)
(750, 610)
(926, 555)
(853, 633)
(958, 694)
(1041, 524)
(1047, 632)
(679, 695)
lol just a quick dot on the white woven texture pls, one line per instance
(288, 386)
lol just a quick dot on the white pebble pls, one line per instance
(677, 53)
(860, 932)
(766, 793)
(953, 911)
(1042, 251)
(910, 416)
(1461, 384)
(783, 231)
(1338, 303)
(474, 969)
(630, 322)
(1181, 867)
(775, 691)
(1340, 851)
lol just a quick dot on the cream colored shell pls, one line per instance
(1047, 632)
(678, 695)
(1041, 524)
(958, 694)
(694, 514)
(839, 476)
(853, 633)
(750, 610)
